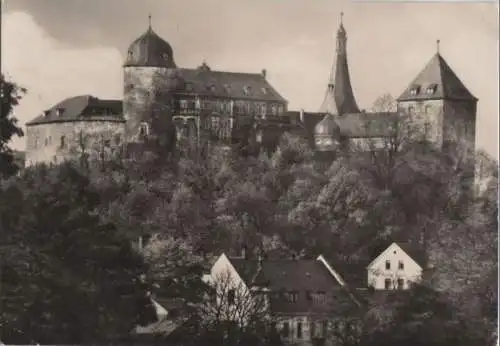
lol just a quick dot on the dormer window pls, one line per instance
(431, 89)
(189, 86)
(246, 90)
(46, 113)
(415, 90)
(264, 90)
(211, 87)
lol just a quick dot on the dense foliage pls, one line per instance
(10, 95)
(68, 229)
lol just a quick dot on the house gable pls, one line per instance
(392, 265)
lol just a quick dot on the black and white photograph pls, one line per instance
(249, 172)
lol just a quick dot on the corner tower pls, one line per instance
(339, 97)
(150, 76)
(440, 105)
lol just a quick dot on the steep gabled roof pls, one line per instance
(236, 85)
(82, 108)
(436, 81)
(297, 275)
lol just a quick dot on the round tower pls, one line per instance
(150, 76)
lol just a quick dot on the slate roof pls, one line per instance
(297, 275)
(365, 125)
(82, 108)
(150, 50)
(437, 73)
(230, 85)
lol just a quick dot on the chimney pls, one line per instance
(46, 113)
(264, 72)
(302, 115)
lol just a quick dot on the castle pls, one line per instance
(172, 106)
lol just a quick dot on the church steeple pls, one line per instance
(339, 97)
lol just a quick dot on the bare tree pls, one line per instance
(235, 311)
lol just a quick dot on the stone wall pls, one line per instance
(147, 98)
(55, 142)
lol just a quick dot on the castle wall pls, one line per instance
(460, 123)
(54, 142)
(428, 118)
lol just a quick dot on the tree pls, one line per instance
(420, 316)
(68, 277)
(234, 314)
(11, 94)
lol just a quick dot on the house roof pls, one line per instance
(296, 275)
(231, 85)
(438, 76)
(82, 108)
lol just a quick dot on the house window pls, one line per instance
(401, 284)
(387, 265)
(427, 128)
(274, 109)
(401, 265)
(231, 296)
(411, 110)
(387, 284)
(107, 143)
(35, 144)
(62, 144)
(427, 109)
(183, 104)
(46, 141)
(286, 329)
(299, 330)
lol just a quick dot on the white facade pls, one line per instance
(393, 269)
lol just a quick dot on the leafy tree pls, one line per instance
(419, 317)
(68, 277)
(10, 94)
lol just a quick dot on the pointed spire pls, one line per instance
(339, 98)
(437, 45)
(149, 21)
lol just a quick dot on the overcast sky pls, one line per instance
(62, 48)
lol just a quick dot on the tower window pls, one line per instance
(388, 265)
(415, 90)
(431, 89)
(62, 143)
(401, 265)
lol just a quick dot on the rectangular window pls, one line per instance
(299, 330)
(401, 265)
(286, 329)
(231, 296)
(387, 265)
(401, 284)
(387, 284)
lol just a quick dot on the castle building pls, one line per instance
(436, 103)
(162, 104)
(175, 107)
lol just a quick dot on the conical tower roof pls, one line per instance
(437, 81)
(339, 97)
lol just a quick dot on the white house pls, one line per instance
(395, 268)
